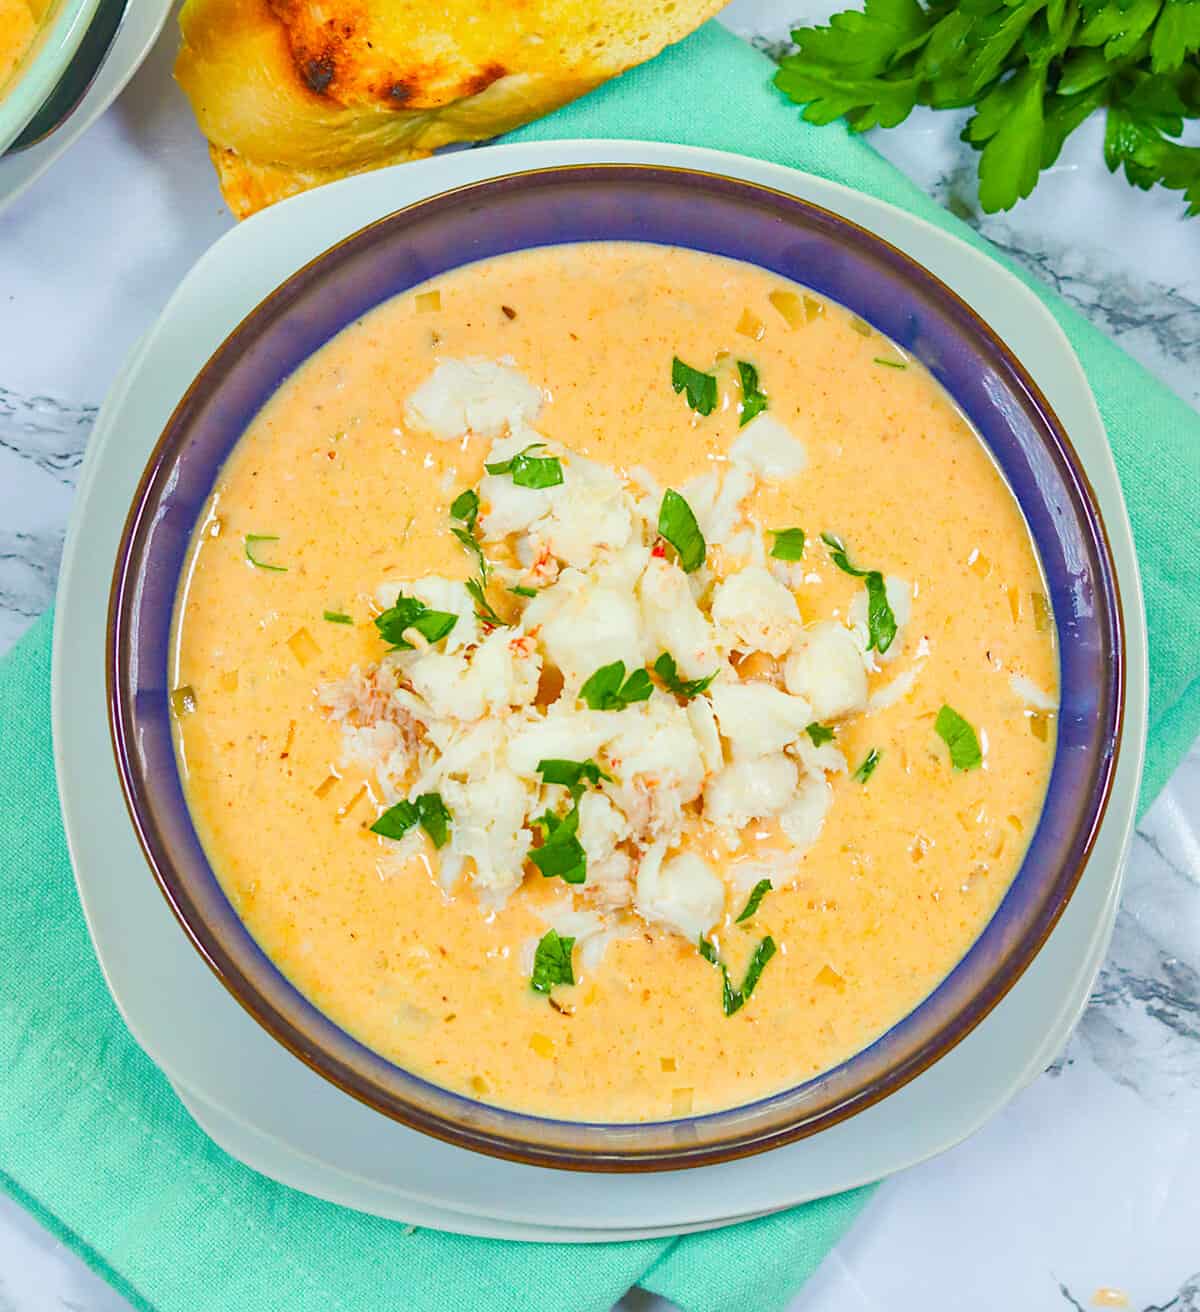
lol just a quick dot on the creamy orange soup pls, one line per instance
(342, 484)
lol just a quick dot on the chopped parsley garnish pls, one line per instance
(572, 774)
(561, 854)
(465, 506)
(250, 540)
(396, 821)
(337, 617)
(891, 364)
(754, 400)
(732, 998)
(757, 893)
(701, 388)
(668, 672)
(411, 613)
(552, 962)
(609, 690)
(819, 733)
(484, 610)
(867, 768)
(429, 811)
(435, 818)
(788, 544)
(958, 735)
(522, 591)
(758, 961)
(677, 524)
(530, 470)
(881, 622)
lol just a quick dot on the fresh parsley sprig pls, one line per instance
(881, 622)
(609, 690)
(1031, 70)
(552, 962)
(429, 811)
(959, 737)
(701, 388)
(733, 998)
(528, 470)
(668, 672)
(412, 613)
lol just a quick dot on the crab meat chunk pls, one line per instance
(803, 820)
(567, 733)
(757, 718)
(583, 624)
(501, 672)
(672, 621)
(609, 869)
(826, 668)
(472, 396)
(655, 739)
(769, 448)
(682, 893)
(592, 515)
(489, 827)
(755, 612)
(748, 790)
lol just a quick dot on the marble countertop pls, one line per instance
(1085, 1191)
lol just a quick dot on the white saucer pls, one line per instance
(266, 1107)
(139, 29)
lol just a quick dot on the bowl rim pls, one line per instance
(973, 1012)
(32, 82)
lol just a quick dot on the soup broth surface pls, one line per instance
(334, 486)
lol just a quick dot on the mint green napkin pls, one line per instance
(92, 1139)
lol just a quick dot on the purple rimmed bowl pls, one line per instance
(669, 207)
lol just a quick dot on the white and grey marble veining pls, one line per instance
(1090, 1180)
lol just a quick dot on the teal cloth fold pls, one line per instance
(93, 1141)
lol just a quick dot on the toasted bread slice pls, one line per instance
(294, 93)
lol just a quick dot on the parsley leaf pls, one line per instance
(1032, 70)
(552, 962)
(668, 672)
(521, 591)
(819, 733)
(572, 774)
(337, 617)
(435, 818)
(788, 544)
(484, 610)
(249, 542)
(867, 768)
(678, 525)
(757, 893)
(465, 506)
(429, 811)
(529, 470)
(561, 854)
(754, 400)
(733, 999)
(881, 621)
(758, 961)
(609, 690)
(701, 388)
(411, 613)
(396, 821)
(958, 735)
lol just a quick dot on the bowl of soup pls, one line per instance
(615, 667)
(38, 39)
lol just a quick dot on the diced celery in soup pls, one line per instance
(614, 682)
